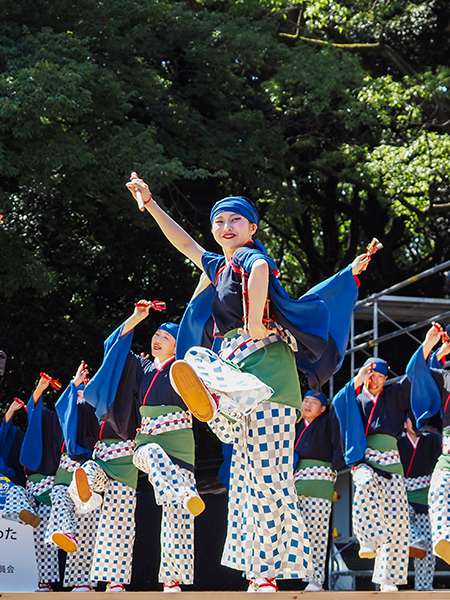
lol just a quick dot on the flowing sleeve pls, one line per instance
(352, 430)
(101, 390)
(67, 410)
(7, 435)
(426, 398)
(32, 445)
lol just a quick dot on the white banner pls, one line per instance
(18, 569)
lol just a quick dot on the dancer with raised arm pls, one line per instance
(266, 536)
(430, 397)
(40, 454)
(135, 391)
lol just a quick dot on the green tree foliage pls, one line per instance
(333, 116)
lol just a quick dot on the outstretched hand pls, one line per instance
(138, 184)
(15, 405)
(363, 375)
(81, 374)
(360, 264)
(432, 337)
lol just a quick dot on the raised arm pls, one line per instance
(13, 407)
(432, 337)
(43, 384)
(140, 313)
(176, 235)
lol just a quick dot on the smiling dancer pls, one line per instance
(137, 391)
(266, 537)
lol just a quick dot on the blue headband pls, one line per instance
(171, 328)
(379, 365)
(236, 204)
(319, 395)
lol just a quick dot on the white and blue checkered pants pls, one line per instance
(266, 536)
(170, 484)
(316, 516)
(439, 503)
(238, 393)
(62, 516)
(79, 563)
(113, 551)
(381, 518)
(18, 499)
(420, 532)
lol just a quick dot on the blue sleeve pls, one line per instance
(339, 293)
(7, 434)
(211, 263)
(425, 393)
(246, 257)
(32, 445)
(67, 410)
(101, 390)
(194, 321)
(435, 363)
(350, 421)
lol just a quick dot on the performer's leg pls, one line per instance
(87, 483)
(46, 556)
(274, 539)
(61, 526)
(169, 481)
(203, 373)
(177, 545)
(424, 567)
(113, 552)
(316, 515)
(20, 507)
(368, 520)
(439, 503)
(79, 563)
(391, 563)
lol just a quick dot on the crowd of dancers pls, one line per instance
(233, 362)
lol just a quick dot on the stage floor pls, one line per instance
(325, 595)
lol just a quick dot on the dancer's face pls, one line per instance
(375, 383)
(312, 408)
(163, 345)
(232, 231)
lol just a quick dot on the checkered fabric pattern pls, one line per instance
(79, 563)
(107, 452)
(46, 556)
(417, 483)
(223, 428)
(317, 473)
(170, 484)
(420, 532)
(439, 505)
(37, 488)
(68, 464)
(316, 516)
(168, 422)
(382, 459)
(113, 553)
(62, 515)
(17, 499)
(266, 536)
(380, 517)
(237, 392)
(177, 544)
